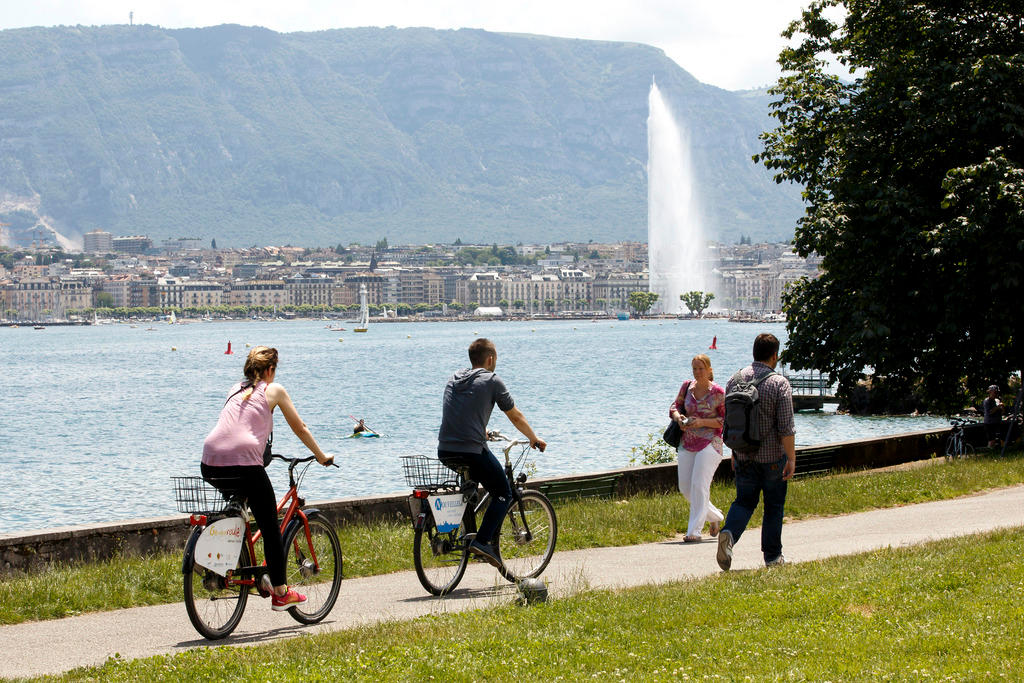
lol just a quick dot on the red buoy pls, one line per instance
(714, 343)
(229, 351)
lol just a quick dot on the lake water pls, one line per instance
(95, 420)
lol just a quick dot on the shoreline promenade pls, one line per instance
(146, 631)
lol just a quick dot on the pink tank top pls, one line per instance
(242, 430)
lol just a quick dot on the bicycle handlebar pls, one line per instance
(498, 436)
(297, 461)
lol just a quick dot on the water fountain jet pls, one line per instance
(675, 239)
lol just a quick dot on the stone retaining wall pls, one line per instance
(33, 550)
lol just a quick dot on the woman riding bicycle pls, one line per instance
(233, 456)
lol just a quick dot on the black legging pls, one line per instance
(253, 483)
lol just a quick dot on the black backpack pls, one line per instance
(741, 430)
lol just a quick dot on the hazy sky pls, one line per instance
(729, 43)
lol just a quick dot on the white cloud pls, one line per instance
(729, 43)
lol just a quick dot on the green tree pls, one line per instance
(641, 302)
(104, 300)
(914, 189)
(696, 301)
(382, 244)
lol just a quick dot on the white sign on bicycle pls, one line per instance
(220, 545)
(448, 511)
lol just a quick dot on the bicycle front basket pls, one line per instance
(423, 472)
(194, 495)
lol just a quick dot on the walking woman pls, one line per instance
(699, 410)
(233, 456)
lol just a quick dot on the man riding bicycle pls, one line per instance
(469, 398)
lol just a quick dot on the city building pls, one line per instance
(132, 244)
(178, 244)
(348, 293)
(97, 242)
(182, 293)
(612, 290)
(252, 293)
(312, 290)
(41, 298)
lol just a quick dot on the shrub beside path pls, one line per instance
(50, 647)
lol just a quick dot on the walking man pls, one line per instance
(469, 398)
(766, 470)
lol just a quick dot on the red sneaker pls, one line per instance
(281, 603)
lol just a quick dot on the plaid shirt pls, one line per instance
(776, 412)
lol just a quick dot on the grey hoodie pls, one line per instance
(469, 398)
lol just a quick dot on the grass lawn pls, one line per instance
(949, 610)
(387, 547)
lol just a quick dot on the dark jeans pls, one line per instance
(994, 431)
(484, 469)
(752, 480)
(253, 483)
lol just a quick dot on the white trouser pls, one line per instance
(695, 473)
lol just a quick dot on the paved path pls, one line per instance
(49, 647)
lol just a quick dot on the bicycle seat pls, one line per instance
(228, 489)
(463, 481)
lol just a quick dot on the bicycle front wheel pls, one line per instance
(313, 567)
(214, 605)
(440, 558)
(528, 536)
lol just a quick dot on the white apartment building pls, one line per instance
(97, 242)
(181, 293)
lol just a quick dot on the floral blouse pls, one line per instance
(710, 406)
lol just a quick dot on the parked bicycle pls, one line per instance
(956, 442)
(445, 505)
(220, 565)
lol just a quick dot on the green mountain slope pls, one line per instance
(251, 137)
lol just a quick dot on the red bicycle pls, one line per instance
(219, 565)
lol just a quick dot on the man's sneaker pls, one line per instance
(487, 552)
(725, 549)
(280, 603)
(777, 562)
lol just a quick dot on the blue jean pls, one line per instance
(752, 480)
(484, 469)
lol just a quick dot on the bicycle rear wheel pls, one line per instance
(214, 607)
(440, 558)
(527, 548)
(957, 447)
(313, 566)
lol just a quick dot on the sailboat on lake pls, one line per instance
(364, 311)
